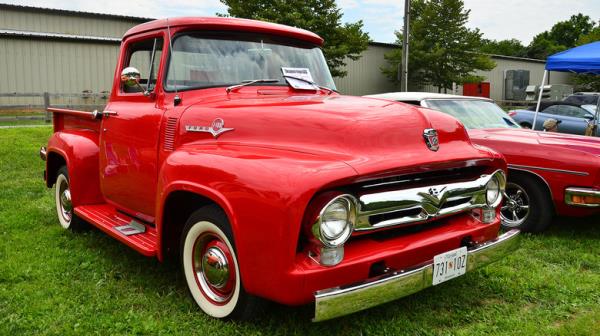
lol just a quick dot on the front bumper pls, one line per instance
(343, 300)
(582, 197)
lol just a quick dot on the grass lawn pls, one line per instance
(56, 282)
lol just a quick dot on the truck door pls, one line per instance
(130, 133)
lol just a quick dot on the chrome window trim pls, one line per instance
(562, 171)
(430, 200)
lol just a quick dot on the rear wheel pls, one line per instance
(211, 269)
(64, 206)
(527, 205)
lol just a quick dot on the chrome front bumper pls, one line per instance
(339, 301)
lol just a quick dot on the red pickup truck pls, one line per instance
(225, 145)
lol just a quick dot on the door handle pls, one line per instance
(98, 115)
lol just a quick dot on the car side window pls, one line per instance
(145, 57)
(574, 111)
(554, 109)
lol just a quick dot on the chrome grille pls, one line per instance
(421, 204)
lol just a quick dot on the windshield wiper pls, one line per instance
(250, 82)
(330, 91)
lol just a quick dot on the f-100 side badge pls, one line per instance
(216, 128)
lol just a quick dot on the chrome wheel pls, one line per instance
(212, 262)
(515, 210)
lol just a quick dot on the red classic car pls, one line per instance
(548, 173)
(232, 151)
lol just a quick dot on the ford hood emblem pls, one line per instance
(431, 139)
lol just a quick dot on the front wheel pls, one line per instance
(527, 205)
(211, 269)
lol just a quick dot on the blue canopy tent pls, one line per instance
(584, 59)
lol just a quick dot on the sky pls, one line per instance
(497, 19)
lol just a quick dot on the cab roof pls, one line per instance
(234, 24)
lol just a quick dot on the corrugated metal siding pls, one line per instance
(56, 66)
(364, 75)
(496, 76)
(52, 22)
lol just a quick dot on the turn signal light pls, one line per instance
(585, 200)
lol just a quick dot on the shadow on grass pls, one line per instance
(575, 227)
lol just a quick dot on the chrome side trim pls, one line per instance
(424, 203)
(536, 174)
(338, 301)
(569, 192)
(562, 171)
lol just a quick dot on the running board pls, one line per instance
(140, 237)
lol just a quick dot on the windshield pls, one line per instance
(202, 60)
(474, 113)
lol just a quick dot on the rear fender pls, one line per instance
(79, 149)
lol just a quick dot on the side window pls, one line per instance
(145, 57)
(574, 111)
(554, 109)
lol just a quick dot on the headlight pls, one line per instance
(494, 189)
(336, 221)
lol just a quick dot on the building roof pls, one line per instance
(57, 36)
(418, 96)
(221, 23)
(73, 12)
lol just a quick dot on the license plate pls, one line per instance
(449, 265)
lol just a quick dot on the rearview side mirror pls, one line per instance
(130, 77)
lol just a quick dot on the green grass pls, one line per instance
(56, 282)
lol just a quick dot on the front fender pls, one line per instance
(263, 191)
(79, 149)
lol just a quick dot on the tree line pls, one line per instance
(442, 49)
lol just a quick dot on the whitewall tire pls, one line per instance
(64, 206)
(210, 267)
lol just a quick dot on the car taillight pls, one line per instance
(512, 113)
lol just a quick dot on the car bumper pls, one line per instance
(582, 197)
(343, 300)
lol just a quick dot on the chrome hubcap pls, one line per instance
(213, 269)
(65, 202)
(516, 205)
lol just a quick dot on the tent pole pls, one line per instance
(539, 102)
(595, 121)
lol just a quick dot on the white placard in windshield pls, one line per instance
(304, 81)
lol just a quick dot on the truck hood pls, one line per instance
(371, 135)
(558, 141)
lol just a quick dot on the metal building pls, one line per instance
(49, 50)
(61, 51)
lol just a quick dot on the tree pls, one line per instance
(512, 47)
(588, 82)
(562, 36)
(322, 17)
(442, 48)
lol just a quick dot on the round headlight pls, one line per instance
(493, 191)
(336, 221)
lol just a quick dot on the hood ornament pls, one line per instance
(216, 128)
(431, 139)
